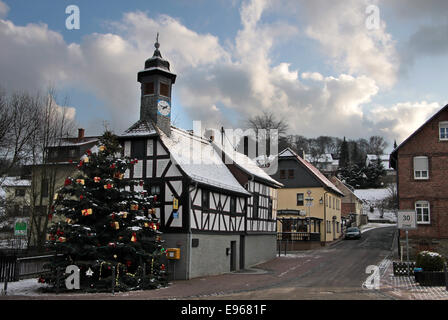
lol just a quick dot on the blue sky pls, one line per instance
(314, 64)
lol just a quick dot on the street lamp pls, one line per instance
(308, 204)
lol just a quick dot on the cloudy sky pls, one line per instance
(349, 68)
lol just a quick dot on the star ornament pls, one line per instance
(89, 272)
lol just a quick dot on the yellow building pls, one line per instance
(309, 205)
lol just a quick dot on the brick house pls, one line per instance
(351, 205)
(421, 162)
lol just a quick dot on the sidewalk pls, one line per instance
(405, 287)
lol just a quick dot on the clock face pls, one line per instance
(163, 107)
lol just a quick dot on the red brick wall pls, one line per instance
(435, 189)
(347, 208)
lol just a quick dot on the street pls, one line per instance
(337, 271)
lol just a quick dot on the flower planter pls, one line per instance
(430, 278)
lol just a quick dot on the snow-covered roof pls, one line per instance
(372, 195)
(323, 158)
(15, 182)
(198, 158)
(244, 162)
(68, 142)
(383, 157)
(140, 128)
(319, 175)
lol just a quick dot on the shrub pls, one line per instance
(429, 261)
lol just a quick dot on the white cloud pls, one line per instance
(402, 119)
(4, 9)
(214, 79)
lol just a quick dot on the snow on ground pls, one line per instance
(370, 197)
(27, 287)
(370, 226)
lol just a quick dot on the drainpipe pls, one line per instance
(325, 218)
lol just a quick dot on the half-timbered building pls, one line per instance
(221, 216)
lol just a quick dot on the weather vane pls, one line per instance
(157, 45)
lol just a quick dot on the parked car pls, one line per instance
(353, 233)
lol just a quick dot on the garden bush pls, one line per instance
(429, 261)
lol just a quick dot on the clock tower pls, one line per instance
(156, 84)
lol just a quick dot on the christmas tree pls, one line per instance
(109, 230)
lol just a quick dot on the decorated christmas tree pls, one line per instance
(107, 228)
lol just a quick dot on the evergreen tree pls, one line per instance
(344, 156)
(107, 228)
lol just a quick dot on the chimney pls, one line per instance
(80, 134)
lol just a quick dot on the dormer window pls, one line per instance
(443, 130)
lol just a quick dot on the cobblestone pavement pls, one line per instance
(405, 287)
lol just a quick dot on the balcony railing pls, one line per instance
(298, 236)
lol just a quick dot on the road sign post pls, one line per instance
(407, 220)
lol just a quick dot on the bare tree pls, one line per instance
(54, 124)
(266, 126)
(377, 145)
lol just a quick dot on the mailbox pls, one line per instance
(173, 253)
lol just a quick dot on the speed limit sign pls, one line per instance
(406, 219)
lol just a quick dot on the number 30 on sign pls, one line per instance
(406, 219)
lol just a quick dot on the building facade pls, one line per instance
(421, 162)
(221, 215)
(309, 205)
(351, 205)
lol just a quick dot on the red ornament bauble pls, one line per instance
(112, 166)
(67, 182)
(81, 197)
(162, 267)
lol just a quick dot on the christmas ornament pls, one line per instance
(50, 216)
(112, 166)
(55, 196)
(118, 175)
(62, 239)
(134, 237)
(89, 152)
(87, 212)
(162, 267)
(115, 225)
(108, 186)
(134, 207)
(97, 179)
(89, 272)
(80, 181)
(152, 211)
(86, 159)
(69, 221)
(102, 148)
(67, 182)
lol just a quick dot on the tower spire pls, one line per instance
(157, 46)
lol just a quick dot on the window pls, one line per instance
(422, 212)
(421, 168)
(20, 192)
(270, 208)
(443, 130)
(291, 174)
(205, 199)
(300, 199)
(233, 205)
(44, 188)
(138, 149)
(155, 190)
(148, 88)
(282, 174)
(255, 206)
(164, 89)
